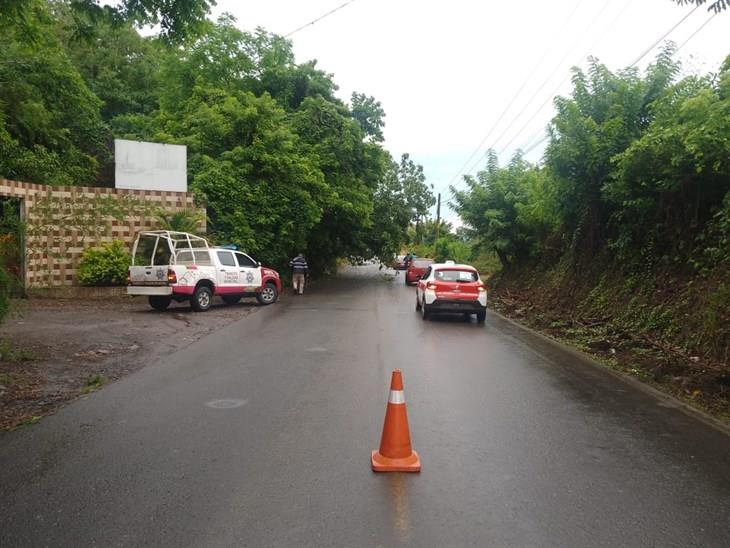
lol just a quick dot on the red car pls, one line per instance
(417, 268)
(399, 263)
(454, 288)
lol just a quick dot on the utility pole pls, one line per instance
(438, 223)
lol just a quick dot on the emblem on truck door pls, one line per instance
(160, 274)
(249, 277)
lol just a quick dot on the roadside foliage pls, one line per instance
(281, 164)
(106, 265)
(625, 222)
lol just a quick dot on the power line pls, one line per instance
(630, 66)
(667, 33)
(545, 82)
(532, 142)
(514, 98)
(537, 144)
(695, 32)
(557, 88)
(319, 18)
(560, 85)
(663, 36)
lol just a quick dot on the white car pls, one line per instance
(454, 288)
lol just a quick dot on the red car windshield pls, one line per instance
(454, 275)
(421, 264)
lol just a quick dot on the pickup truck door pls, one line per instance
(227, 275)
(249, 272)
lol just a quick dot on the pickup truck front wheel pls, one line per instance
(201, 299)
(268, 294)
(159, 302)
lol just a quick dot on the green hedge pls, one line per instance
(107, 265)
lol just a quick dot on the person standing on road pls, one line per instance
(299, 271)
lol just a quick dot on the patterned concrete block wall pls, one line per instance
(61, 222)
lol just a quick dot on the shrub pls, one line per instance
(107, 265)
(185, 220)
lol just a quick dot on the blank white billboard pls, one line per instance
(150, 166)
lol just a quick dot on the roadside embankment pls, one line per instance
(669, 331)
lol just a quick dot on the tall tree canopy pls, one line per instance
(637, 166)
(177, 19)
(281, 163)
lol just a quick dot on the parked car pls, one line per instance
(178, 266)
(399, 263)
(449, 287)
(417, 268)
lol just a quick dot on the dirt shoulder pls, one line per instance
(52, 351)
(696, 380)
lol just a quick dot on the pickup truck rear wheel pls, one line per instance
(201, 299)
(481, 316)
(268, 294)
(159, 302)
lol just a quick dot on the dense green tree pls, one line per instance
(668, 182)
(177, 19)
(491, 207)
(402, 197)
(351, 170)
(419, 195)
(51, 130)
(604, 114)
(391, 215)
(232, 59)
(281, 163)
(262, 190)
(118, 65)
(637, 169)
(369, 114)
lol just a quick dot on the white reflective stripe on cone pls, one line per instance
(397, 396)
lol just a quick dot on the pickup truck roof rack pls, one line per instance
(177, 241)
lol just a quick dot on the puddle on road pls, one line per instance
(230, 403)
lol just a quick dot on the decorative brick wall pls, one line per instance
(62, 221)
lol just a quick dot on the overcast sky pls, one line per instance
(445, 72)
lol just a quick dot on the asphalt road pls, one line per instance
(260, 435)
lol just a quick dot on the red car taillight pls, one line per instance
(431, 286)
(171, 276)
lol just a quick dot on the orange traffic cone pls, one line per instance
(396, 454)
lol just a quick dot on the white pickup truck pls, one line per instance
(178, 266)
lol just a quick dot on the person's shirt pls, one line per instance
(299, 265)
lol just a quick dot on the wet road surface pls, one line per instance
(260, 435)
